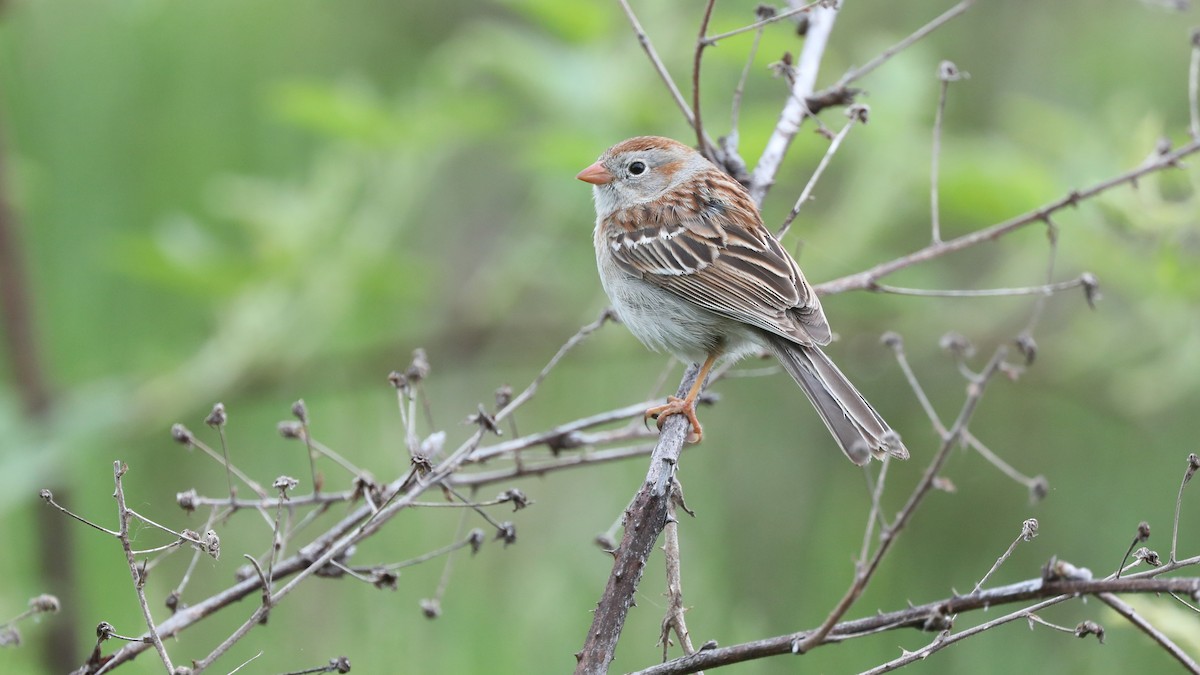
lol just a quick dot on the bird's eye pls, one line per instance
(637, 168)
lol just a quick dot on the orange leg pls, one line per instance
(685, 406)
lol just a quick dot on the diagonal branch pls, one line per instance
(866, 280)
(644, 520)
(820, 25)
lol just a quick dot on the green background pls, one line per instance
(258, 202)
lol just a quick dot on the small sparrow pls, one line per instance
(689, 267)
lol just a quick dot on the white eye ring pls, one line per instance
(637, 168)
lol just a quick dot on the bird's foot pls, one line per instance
(678, 406)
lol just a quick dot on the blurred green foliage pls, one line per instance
(259, 202)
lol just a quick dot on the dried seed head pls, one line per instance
(186, 500)
(1193, 467)
(1029, 529)
(182, 436)
(475, 539)
(340, 664)
(300, 411)
(289, 429)
(1090, 628)
(431, 608)
(383, 578)
(518, 498)
(397, 379)
(1143, 531)
(892, 339)
(1091, 288)
(212, 544)
(485, 420)
(419, 368)
(957, 344)
(285, 483)
(948, 72)
(1150, 557)
(104, 630)
(45, 604)
(1027, 346)
(503, 396)
(48, 496)
(217, 418)
(507, 532)
(1038, 489)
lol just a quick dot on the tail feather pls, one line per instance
(858, 429)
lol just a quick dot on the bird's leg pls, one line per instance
(685, 406)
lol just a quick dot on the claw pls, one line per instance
(678, 406)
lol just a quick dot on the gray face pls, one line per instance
(640, 176)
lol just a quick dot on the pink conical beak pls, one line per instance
(595, 174)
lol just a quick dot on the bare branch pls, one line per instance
(139, 580)
(1145, 626)
(947, 73)
(869, 278)
(863, 575)
(698, 124)
(856, 74)
(786, 14)
(673, 620)
(1029, 530)
(931, 616)
(820, 25)
(644, 521)
(1042, 290)
(1192, 468)
(856, 113)
(660, 68)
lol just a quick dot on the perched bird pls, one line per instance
(691, 270)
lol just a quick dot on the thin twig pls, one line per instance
(1042, 290)
(820, 25)
(855, 114)
(855, 74)
(48, 497)
(1028, 532)
(139, 580)
(869, 278)
(947, 73)
(736, 106)
(865, 572)
(932, 614)
(673, 620)
(874, 515)
(1030, 483)
(1145, 626)
(659, 67)
(701, 43)
(1192, 468)
(570, 344)
(758, 25)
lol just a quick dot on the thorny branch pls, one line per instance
(868, 280)
(932, 616)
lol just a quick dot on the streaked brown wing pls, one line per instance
(738, 272)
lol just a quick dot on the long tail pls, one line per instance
(858, 429)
